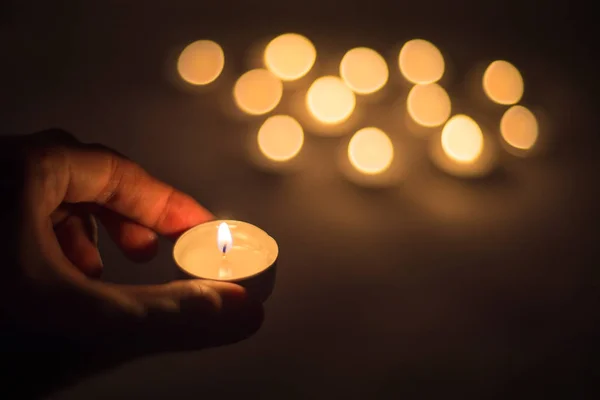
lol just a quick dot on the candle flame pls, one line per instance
(224, 239)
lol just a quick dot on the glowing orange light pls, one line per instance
(428, 105)
(224, 238)
(257, 91)
(462, 139)
(280, 138)
(364, 70)
(421, 62)
(329, 100)
(201, 62)
(519, 128)
(503, 83)
(370, 151)
(290, 56)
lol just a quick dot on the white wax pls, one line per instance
(197, 253)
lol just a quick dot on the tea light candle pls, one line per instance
(225, 250)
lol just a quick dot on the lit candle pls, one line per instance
(232, 251)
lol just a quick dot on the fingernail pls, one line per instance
(92, 229)
(232, 296)
(96, 272)
(101, 263)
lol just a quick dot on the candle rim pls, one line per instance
(273, 248)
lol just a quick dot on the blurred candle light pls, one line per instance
(280, 138)
(428, 104)
(462, 139)
(290, 56)
(421, 62)
(257, 91)
(503, 83)
(201, 62)
(329, 100)
(370, 151)
(364, 70)
(519, 128)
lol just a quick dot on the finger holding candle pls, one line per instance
(187, 315)
(137, 242)
(209, 296)
(104, 178)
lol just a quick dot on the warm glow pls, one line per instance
(462, 139)
(257, 91)
(370, 151)
(503, 83)
(519, 127)
(421, 62)
(224, 239)
(225, 273)
(329, 100)
(201, 62)
(428, 105)
(280, 138)
(364, 70)
(290, 56)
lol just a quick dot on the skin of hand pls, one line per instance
(54, 189)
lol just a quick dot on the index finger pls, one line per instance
(86, 174)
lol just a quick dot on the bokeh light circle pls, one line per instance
(519, 128)
(428, 105)
(257, 91)
(462, 139)
(364, 70)
(370, 151)
(201, 62)
(503, 83)
(280, 138)
(329, 100)
(290, 56)
(421, 61)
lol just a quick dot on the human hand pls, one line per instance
(57, 187)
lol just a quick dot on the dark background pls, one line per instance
(434, 287)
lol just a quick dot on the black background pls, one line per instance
(434, 287)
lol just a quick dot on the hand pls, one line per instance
(57, 187)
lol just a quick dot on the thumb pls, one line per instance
(186, 296)
(188, 315)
